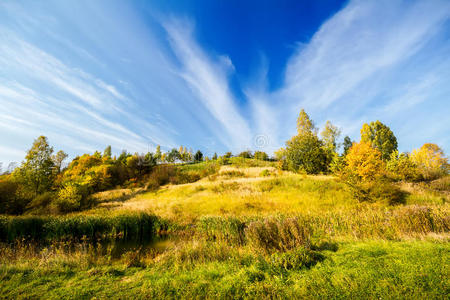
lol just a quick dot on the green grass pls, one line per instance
(374, 270)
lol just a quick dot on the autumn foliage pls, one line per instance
(365, 161)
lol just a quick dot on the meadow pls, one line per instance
(244, 230)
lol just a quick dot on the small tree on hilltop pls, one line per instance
(198, 157)
(304, 152)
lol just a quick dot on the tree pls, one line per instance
(214, 156)
(173, 155)
(158, 155)
(431, 161)
(36, 172)
(261, 155)
(246, 154)
(364, 161)
(401, 167)
(58, 160)
(330, 134)
(380, 137)
(305, 124)
(305, 152)
(107, 152)
(198, 156)
(347, 144)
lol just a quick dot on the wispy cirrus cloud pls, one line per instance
(134, 83)
(371, 58)
(208, 80)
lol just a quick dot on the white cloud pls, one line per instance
(209, 81)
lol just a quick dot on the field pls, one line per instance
(242, 232)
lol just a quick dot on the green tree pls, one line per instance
(246, 154)
(214, 156)
(107, 152)
(173, 155)
(261, 155)
(330, 134)
(380, 137)
(401, 167)
(347, 144)
(198, 157)
(158, 155)
(36, 172)
(228, 155)
(305, 152)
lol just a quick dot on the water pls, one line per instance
(116, 248)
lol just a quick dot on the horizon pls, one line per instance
(219, 77)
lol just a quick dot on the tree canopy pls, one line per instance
(379, 136)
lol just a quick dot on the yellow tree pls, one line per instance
(431, 161)
(365, 161)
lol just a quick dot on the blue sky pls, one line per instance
(219, 75)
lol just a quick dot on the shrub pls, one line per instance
(160, 175)
(271, 234)
(10, 202)
(265, 173)
(295, 259)
(70, 198)
(441, 184)
(232, 173)
(401, 167)
(376, 191)
(41, 202)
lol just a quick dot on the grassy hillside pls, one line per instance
(243, 231)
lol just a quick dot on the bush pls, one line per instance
(377, 191)
(232, 173)
(295, 259)
(13, 199)
(401, 167)
(271, 234)
(160, 175)
(41, 203)
(442, 184)
(265, 173)
(70, 198)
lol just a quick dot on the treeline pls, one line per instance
(368, 167)
(42, 184)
